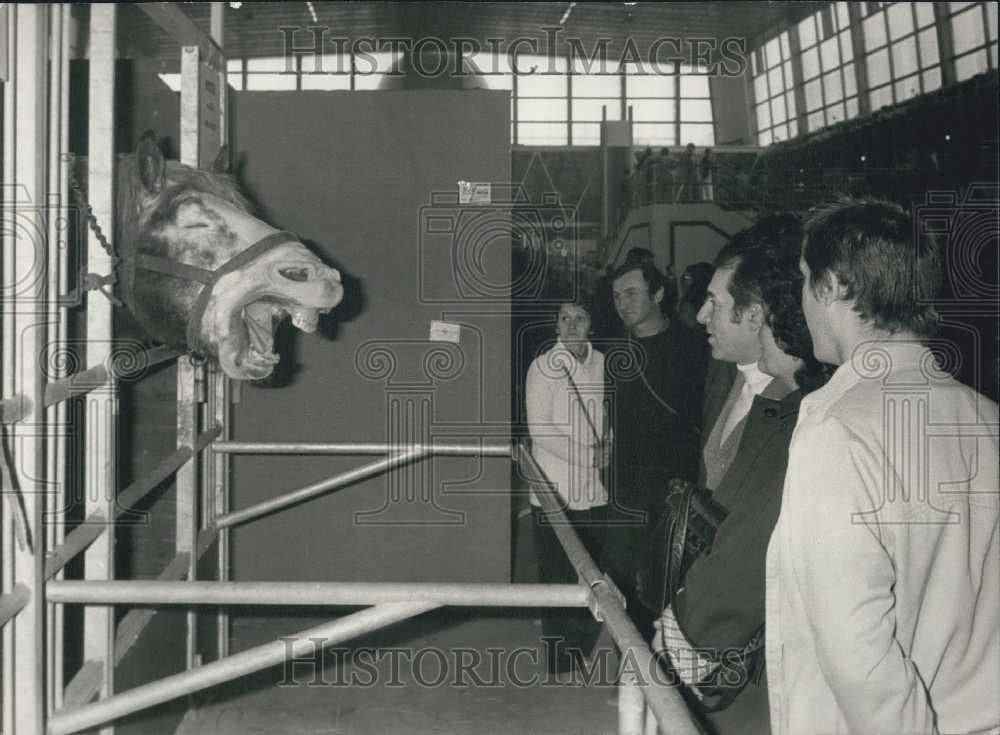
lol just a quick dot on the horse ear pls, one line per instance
(151, 164)
(221, 163)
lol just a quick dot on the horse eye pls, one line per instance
(295, 274)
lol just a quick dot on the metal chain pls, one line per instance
(92, 282)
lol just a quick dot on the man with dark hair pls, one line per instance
(656, 379)
(883, 571)
(733, 315)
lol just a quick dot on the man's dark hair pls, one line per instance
(889, 270)
(773, 233)
(780, 282)
(639, 255)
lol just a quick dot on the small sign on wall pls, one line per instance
(472, 192)
(445, 332)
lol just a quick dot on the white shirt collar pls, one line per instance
(754, 377)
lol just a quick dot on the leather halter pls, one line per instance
(182, 271)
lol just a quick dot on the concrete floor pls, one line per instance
(409, 679)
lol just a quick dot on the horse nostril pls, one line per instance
(295, 274)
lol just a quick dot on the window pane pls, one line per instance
(772, 52)
(878, 68)
(694, 85)
(829, 53)
(495, 69)
(810, 64)
(789, 79)
(955, 7)
(326, 81)
(324, 64)
(775, 82)
(541, 85)
(652, 110)
(967, 30)
(529, 110)
(970, 65)
(235, 81)
(932, 79)
(835, 114)
(760, 88)
(272, 63)
(815, 121)
(698, 134)
(874, 29)
(991, 24)
(846, 46)
(764, 138)
(993, 55)
(173, 81)
(904, 57)
(852, 107)
(785, 51)
(763, 116)
(832, 87)
(793, 128)
(843, 15)
(592, 109)
(907, 88)
(596, 85)
(814, 97)
(653, 134)
(807, 32)
(649, 86)
(586, 133)
(925, 14)
(880, 97)
(696, 110)
(790, 104)
(541, 133)
(850, 81)
(778, 110)
(929, 48)
(900, 20)
(271, 82)
(780, 132)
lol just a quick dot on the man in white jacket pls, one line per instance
(883, 571)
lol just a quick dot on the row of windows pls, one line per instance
(815, 61)
(561, 108)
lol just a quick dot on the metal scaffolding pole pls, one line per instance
(349, 448)
(666, 703)
(319, 488)
(261, 657)
(315, 593)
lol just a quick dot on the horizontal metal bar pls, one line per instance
(93, 526)
(302, 644)
(123, 364)
(668, 707)
(13, 602)
(149, 592)
(311, 491)
(176, 24)
(353, 448)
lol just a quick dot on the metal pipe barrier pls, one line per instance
(85, 381)
(13, 602)
(153, 592)
(260, 657)
(333, 483)
(665, 702)
(450, 450)
(93, 526)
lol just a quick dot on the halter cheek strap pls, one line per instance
(186, 272)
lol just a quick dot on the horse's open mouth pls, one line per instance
(262, 318)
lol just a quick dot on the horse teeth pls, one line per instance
(305, 319)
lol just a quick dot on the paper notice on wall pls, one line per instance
(473, 192)
(445, 332)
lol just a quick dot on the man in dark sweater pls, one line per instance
(656, 379)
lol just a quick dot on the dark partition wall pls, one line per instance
(370, 181)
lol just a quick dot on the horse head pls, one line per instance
(202, 274)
